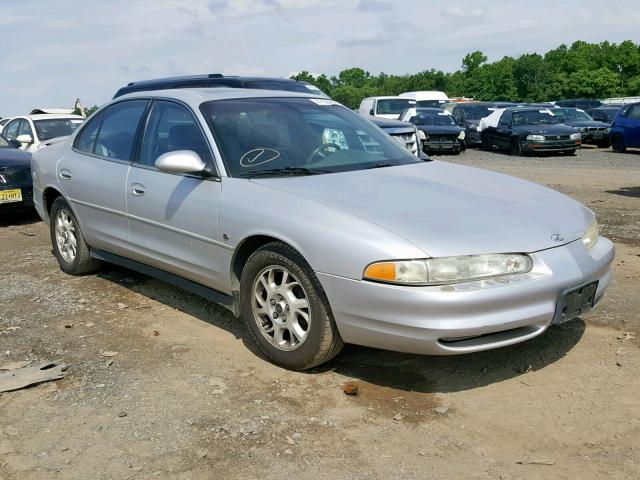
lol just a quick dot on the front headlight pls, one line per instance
(439, 271)
(608, 130)
(591, 236)
(536, 138)
(575, 136)
(422, 135)
(462, 135)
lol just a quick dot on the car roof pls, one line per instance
(196, 96)
(210, 76)
(430, 110)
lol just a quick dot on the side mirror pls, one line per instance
(14, 143)
(371, 112)
(180, 161)
(25, 139)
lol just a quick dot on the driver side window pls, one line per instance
(172, 127)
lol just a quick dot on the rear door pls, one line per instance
(93, 174)
(174, 217)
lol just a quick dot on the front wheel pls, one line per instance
(617, 143)
(286, 310)
(516, 147)
(69, 246)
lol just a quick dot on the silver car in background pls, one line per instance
(315, 227)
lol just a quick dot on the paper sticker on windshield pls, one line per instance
(445, 114)
(312, 87)
(259, 156)
(323, 101)
(77, 121)
(547, 111)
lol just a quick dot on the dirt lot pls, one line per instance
(187, 398)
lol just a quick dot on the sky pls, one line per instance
(58, 50)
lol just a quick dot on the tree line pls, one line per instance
(583, 70)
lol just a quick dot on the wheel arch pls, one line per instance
(49, 195)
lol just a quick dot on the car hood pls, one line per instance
(557, 129)
(388, 123)
(586, 123)
(14, 158)
(440, 129)
(448, 209)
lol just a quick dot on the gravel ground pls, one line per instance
(186, 397)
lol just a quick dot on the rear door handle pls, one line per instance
(138, 189)
(64, 174)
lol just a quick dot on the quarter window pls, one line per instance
(117, 133)
(86, 139)
(634, 113)
(172, 127)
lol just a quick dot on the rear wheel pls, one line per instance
(69, 246)
(617, 143)
(286, 310)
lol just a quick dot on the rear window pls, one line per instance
(59, 127)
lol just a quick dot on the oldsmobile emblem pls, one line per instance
(556, 237)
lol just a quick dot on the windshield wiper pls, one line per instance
(276, 172)
(382, 165)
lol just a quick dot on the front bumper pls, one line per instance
(551, 145)
(466, 317)
(472, 136)
(452, 146)
(27, 198)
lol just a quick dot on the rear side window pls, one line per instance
(87, 137)
(117, 132)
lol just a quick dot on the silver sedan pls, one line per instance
(315, 227)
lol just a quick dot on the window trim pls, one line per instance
(134, 149)
(210, 162)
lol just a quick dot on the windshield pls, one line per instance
(56, 127)
(297, 136)
(394, 106)
(433, 119)
(477, 112)
(534, 117)
(430, 103)
(571, 115)
(300, 87)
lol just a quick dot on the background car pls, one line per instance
(388, 107)
(625, 130)
(405, 133)
(213, 80)
(16, 190)
(427, 98)
(604, 113)
(32, 130)
(592, 131)
(583, 103)
(525, 130)
(468, 115)
(439, 131)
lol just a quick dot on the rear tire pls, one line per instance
(288, 317)
(67, 240)
(617, 143)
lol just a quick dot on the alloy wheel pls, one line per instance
(281, 308)
(66, 240)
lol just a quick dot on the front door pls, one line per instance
(174, 217)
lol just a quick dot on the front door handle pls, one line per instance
(64, 174)
(138, 189)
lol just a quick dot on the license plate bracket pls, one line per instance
(575, 302)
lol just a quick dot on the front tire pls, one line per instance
(516, 147)
(617, 143)
(286, 310)
(69, 246)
